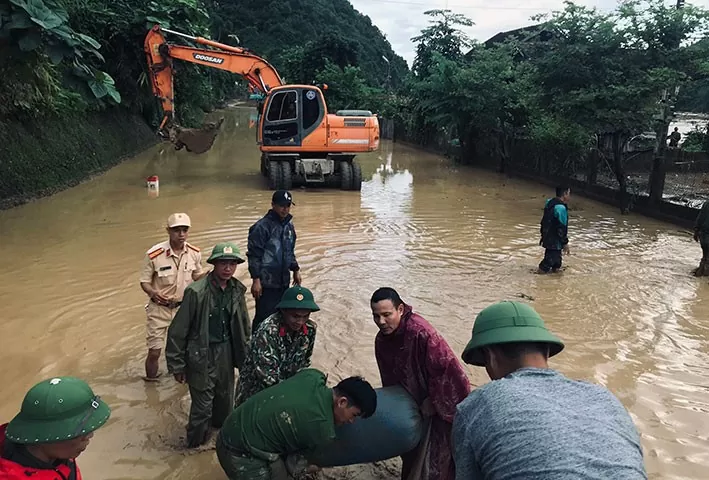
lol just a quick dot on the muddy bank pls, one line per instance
(42, 157)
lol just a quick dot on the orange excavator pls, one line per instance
(301, 143)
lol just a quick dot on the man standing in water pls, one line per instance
(531, 421)
(168, 268)
(55, 425)
(271, 254)
(411, 353)
(554, 229)
(701, 235)
(282, 345)
(208, 339)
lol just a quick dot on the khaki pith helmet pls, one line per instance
(178, 220)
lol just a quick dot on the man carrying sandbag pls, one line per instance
(281, 346)
(531, 421)
(269, 435)
(411, 353)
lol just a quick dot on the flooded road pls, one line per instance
(451, 240)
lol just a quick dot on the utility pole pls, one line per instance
(666, 114)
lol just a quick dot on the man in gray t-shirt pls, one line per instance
(531, 422)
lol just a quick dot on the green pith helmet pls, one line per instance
(508, 322)
(298, 298)
(56, 410)
(225, 251)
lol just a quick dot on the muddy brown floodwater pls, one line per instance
(451, 240)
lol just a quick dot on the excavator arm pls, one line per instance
(260, 75)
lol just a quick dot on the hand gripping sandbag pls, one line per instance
(394, 429)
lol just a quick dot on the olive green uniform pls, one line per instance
(293, 417)
(207, 339)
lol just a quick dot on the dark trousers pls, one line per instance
(213, 404)
(551, 261)
(266, 305)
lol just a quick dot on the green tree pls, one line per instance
(442, 37)
(38, 48)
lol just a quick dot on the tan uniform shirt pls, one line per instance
(169, 274)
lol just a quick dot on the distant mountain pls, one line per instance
(270, 28)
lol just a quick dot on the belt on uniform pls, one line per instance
(171, 305)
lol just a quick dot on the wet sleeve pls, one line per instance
(309, 352)
(293, 262)
(464, 457)
(700, 223)
(264, 357)
(385, 371)
(176, 345)
(562, 215)
(447, 383)
(258, 237)
(146, 273)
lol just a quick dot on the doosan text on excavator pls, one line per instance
(301, 143)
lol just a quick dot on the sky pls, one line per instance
(400, 20)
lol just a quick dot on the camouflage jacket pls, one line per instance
(275, 353)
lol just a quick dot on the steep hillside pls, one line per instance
(329, 28)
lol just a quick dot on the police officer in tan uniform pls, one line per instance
(169, 267)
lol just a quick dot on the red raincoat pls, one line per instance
(418, 358)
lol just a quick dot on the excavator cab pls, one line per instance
(290, 114)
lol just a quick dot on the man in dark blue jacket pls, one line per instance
(554, 229)
(271, 254)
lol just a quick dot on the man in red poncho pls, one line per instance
(411, 353)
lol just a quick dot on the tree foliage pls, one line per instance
(591, 75)
(38, 47)
(58, 55)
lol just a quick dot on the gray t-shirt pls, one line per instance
(536, 424)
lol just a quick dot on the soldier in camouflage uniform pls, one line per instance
(209, 338)
(281, 346)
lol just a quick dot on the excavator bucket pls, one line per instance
(195, 140)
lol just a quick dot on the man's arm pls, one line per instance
(244, 323)
(701, 220)
(562, 216)
(466, 466)
(292, 261)
(256, 245)
(447, 383)
(264, 358)
(199, 270)
(176, 346)
(311, 346)
(146, 282)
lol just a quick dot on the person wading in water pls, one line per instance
(271, 255)
(554, 230)
(209, 338)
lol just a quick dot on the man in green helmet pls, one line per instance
(532, 422)
(55, 424)
(209, 338)
(281, 345)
